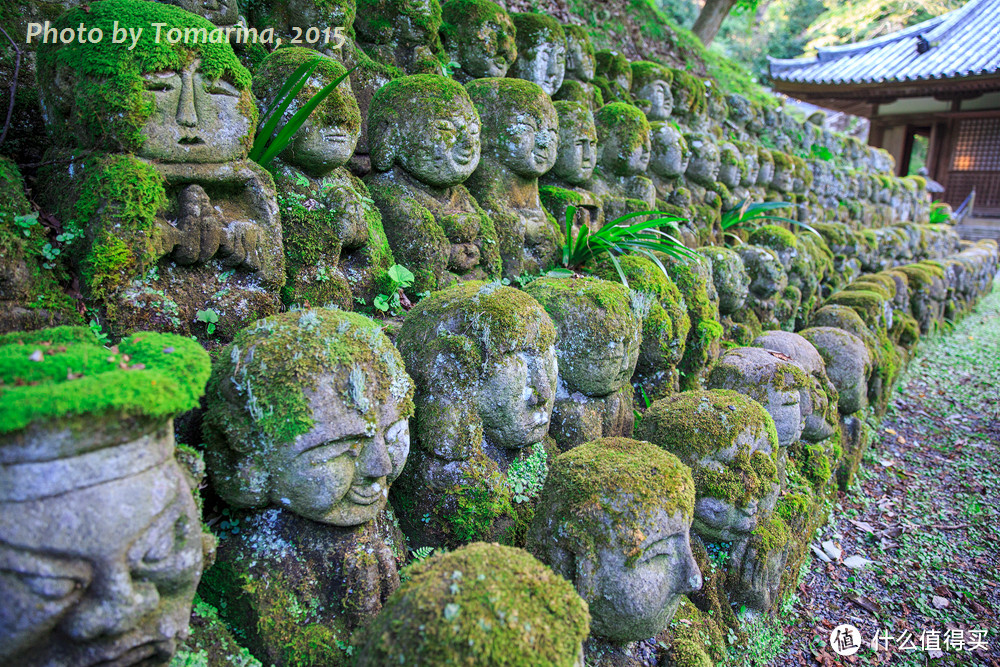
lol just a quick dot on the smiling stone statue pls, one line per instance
(541, 51)
(175, 221)
(101, 546)
(424, 144)
(479, 36)
(520, 140)
(614, 519)
(624, 150)
(566, 183)
(483, 360)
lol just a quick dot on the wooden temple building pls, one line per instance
(939, 79)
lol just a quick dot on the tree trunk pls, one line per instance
(710, 19)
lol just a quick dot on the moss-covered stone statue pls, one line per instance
(598, 343)
(309, 413)
(566, 184)
(613, 76)
(479, 36)
(196, 231)
(520, 140)
(665, 324)
(31, 296)
(624, 149)
(732, 446)
(614, 519)
(580, 69)
(335, 246)
(703, 169)
(650, 89)
(541, 51)
(459, 608)
(484, 362)
(693, 277)
(100, 538)
(402, 33)
(424, 144)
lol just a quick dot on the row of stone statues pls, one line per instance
(315, 420)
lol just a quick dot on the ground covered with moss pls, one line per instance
(924, 510)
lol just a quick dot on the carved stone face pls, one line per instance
(219, 12)
(103, 574)
(321, 147)
(195, 119)
(655, 100)
(305, 13)
(766, 173)
(339, 472)
(705, 162)
(643, 597)
(730, 277)
(441, 148)
(580, 60)
(544, 64)
(515, 398)
(577, 155)
(626, 159)
(670, 157)
(533, 145)
(487, 49)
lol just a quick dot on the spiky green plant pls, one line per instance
(271, 139)
(583, 250)
(750, 214)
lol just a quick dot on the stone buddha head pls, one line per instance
(766, 172)
(101, 546)
(598, 332)
(479, 36)
(577, 154)
(427, 126)
(651, 89)
(614, 519)
(521, 127)
(615, 67)
(731, 445)
(484, 362)
(670, 155)
(459, 608)
(541, 51)
(580, 59)
(730, 277)
(219, 12)
(705, 160)
(306, 14)
(404, 22)
(330, 134)
(623, 139)
(183, 102)
(309, 412)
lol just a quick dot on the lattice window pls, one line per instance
(978, 145)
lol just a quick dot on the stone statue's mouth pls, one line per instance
(152, 652)
(335, 137)
(366, 494)
(463, 157)
(190, 141)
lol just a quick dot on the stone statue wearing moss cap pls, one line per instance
(650, 88)
(520, 141)
(482, 604)
(101, 545)
(335, 246)
(731, 445)
(566, 183)
(425, 144)
(479, 36)
(172, 221)
(402, 33)
(624, 148)
(580, 69)
(614, 519)
(541, 51)
(483, 360)
(598, 342)
(669, 158)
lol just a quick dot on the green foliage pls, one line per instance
(749, 214)
(209, 317)
(399, 277)
(271, 140)
(940, 212)
(526, 476)
(584, 250)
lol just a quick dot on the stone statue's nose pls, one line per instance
(186, 113)
(374, 459)
(113, 605)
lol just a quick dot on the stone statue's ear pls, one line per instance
(383, 141)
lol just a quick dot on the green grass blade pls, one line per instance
(295, 83)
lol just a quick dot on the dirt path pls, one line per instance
(925, 510)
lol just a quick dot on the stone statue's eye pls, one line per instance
(221, 88)
(160, 85)
(51, 588)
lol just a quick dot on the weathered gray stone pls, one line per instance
(848, 364)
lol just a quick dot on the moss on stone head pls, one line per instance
(457, 15)
(578, 34)
(259, 383)
(627, 125)
(339, 108)
(868, 304)
(772, 236)
(376, 19)
(690, 90)
(534, 29)
(108, 103)
(770, 534)
(614, 487)
(473, 324)
(482, 604)
(151, 374)
(613, 65)
(645, 72)
(502, 103)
